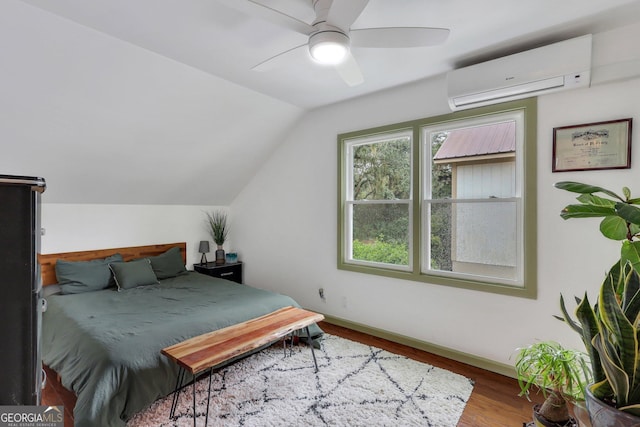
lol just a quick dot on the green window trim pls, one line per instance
(529, 202)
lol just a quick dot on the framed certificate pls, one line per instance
(601, 145)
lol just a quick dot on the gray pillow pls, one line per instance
(75, 277)
(133, 274)
(168, 264)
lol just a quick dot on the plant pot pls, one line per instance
(540, 421)
(579, 412)
(604, 415)
(220, 257)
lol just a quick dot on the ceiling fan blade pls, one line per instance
(343, 13)
(349, 70)
(398, 37)
(267, 13)
(282, 59)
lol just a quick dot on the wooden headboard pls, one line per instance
(48, 261)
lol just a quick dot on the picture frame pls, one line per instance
(592, 146)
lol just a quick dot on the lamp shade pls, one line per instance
(204, 246)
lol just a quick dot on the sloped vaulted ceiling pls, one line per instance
(105, 121)
(154, 102)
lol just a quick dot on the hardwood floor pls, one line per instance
(54, 394)
(493, 403)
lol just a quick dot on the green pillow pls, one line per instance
(168, 264)
(133, 274)
(75, 277)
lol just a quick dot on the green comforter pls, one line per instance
(105, 345)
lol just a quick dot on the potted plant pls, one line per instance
(609, 328)
(561, 374)
(219, 230)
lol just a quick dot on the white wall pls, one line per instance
(286, 227)
(70, 227)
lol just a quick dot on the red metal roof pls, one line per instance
(479, 141)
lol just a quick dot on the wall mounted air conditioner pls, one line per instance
(558, 66)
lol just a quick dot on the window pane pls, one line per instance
(441, 236)
(382, 170)
(486, 180)
(478, 238)
(381, 233)
(472, 225)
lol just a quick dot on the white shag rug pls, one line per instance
(356, 385)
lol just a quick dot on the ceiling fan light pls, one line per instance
(329, 47)
(328, 53)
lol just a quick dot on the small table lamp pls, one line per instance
(204, 249)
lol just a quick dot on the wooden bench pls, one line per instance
(212, 349)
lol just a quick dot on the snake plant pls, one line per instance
(609, 328)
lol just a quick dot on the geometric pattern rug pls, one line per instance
(356, 385)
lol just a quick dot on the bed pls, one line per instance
(105, 343)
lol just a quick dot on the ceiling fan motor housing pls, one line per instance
(329, 45)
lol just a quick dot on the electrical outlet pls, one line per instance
(321, 293)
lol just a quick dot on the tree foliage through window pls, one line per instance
(382, 172)
(440, 213)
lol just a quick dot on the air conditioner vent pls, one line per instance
(559, 66)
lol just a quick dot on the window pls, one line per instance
(447, 200)
(378, 199)
(472, 199)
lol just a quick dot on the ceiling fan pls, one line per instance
(331, 37)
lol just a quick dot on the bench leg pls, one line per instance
(194, 401)
(176, 392)
(291, 338)
(206, 419)
(195, 415)
(284, 346)
(313, 353)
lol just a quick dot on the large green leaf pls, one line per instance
(630, 252)
(614, 228)
(567, 319)
(631, 295)
(616, 376)
(617, 343)
(586, 211)
(634, 397)
(590, 199)
(577, 187)
(628, 212)
(587, 318)
(602, 390)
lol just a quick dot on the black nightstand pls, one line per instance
(230, 271)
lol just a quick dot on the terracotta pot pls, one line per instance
(604, 415)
